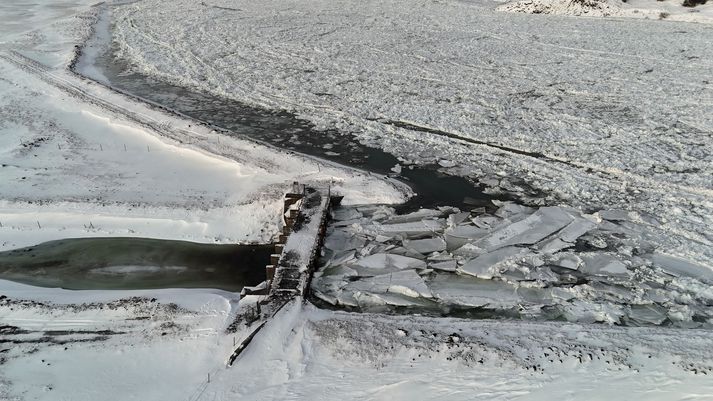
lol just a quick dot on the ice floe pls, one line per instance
(518, 262)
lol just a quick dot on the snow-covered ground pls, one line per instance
(672, 10)
(78, 160)
(590, 113)
(161, 345)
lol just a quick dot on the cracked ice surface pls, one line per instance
(547, 263)
(594, 113)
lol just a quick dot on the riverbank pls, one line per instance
(80, 160)
(119, 345)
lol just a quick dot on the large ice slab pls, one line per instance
(530, 230)
(603, 265)
(424, 227)
(407, 283)
(568, 235)
(340, 240)
(486, 266)
(386, 260)
(680, 267)
(418, 215)
(425, 246)
(467, 291)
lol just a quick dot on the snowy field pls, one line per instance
(161, 345)
(81, 161)
(593, 113)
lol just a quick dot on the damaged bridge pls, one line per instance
(305, 217)
(289, 273)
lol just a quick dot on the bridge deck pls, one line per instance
(294, 268)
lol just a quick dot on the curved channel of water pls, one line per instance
(286, 131)
(135, 263)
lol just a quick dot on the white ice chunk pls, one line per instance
(341, 258)
(461, 235)
(487, 265)
(544, 222)
(446, 163)
(586, 312)
(618, 215)
(603, 265)
(385, 260)
(651, 314)
(568, 235)
(426, 246)
(446, 265)
(568, 261)
(414, 228)
(510, 209)
(554, 245)
(346, 214)
(415, 216)
(411, 253)
(488, 222)
(406, 282)
(467, 291)
(383, 238)
(457, 218)
(681, 267)
(341, 240)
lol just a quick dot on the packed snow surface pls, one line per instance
(158, 345)
(78, 160)
(594, 113)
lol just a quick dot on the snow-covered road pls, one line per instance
(592, 113)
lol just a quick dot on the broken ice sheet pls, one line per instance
(406, 282)
(681, 267)
(541, 224)
(486, 266)
(648, 314)
(454, 289)
(340, 240)
(445, 265)
(618, 215)
(508, 210)
(414, 229)
(580, 311)
(426, 246)
(376, 302)
(346, 214)
(340, 258)
(602, 264)
(385, 260)
(418, 215)
(457, 218)
(567, 237)
(461, 235)
(568, 261)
